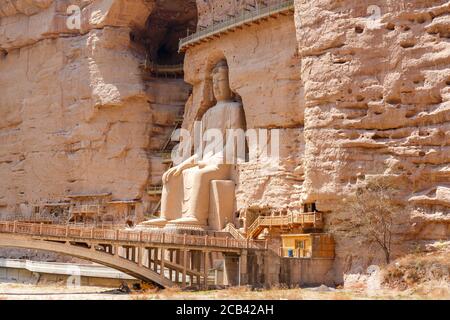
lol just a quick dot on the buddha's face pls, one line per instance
(221, 84)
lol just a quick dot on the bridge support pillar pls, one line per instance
(162, 263)
(205, 269)
(231, 269)
(196, 264)
(185, 262)
(155, 259)
(171, 260)
(243, 268)
(140, 256)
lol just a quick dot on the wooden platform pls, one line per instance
(246, 18)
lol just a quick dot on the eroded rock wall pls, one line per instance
(213, 11)
(377, 103)
(74, 113)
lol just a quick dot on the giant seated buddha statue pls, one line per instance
(186, 201)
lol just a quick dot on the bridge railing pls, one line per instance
(66, 231)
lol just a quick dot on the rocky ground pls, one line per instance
(9, 291)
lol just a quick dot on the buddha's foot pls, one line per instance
(154, 223)
(187, 223)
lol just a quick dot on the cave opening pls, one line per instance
(167, 24)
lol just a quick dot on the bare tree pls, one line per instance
(372, 210)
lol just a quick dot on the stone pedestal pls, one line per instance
(221, 203)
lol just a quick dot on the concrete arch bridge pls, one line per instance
(164, 259)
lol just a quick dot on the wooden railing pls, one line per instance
(288, 220)
(234, 232)
(244, 18)
(57, 231)
(155, 190)
(163, 68)
(85, 208)
(98, 225)
(35, 219)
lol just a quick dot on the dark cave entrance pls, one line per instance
(167, 24)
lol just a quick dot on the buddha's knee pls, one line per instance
(172, 181)
(203, 176)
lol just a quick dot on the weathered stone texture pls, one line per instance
(355, 96)
(377, 103)
(74, 115)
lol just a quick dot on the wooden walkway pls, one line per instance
(246, 18)
(302, 220)
(173, 71)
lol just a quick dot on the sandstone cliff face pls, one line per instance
(213, 11)
(74, 115)
(377, 103)
(354, 94)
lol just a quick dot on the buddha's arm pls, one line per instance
(178, 169)
(190, 162)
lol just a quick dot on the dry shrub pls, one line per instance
(423, 272)
(170, 292)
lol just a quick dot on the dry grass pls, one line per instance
(426, 273)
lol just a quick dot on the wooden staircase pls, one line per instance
(288, 222)
(231, 229)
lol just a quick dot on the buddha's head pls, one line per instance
(221, 83)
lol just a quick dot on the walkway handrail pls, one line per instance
(154, 188)
(243, 18)
(66, 231)
(22, 218)
(280, 221)
(234, 232)
(254, 226)
(166, 68)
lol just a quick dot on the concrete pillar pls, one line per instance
(231, 270)
(185, 262)
(171, 260)
(162, 263)
(155, 260)
(139, 256)
(147, 257)
(243, 268)
(205, 269)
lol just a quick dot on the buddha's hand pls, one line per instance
(168, 174)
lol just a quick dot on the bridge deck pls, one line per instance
(127, 237)
(165, 259)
